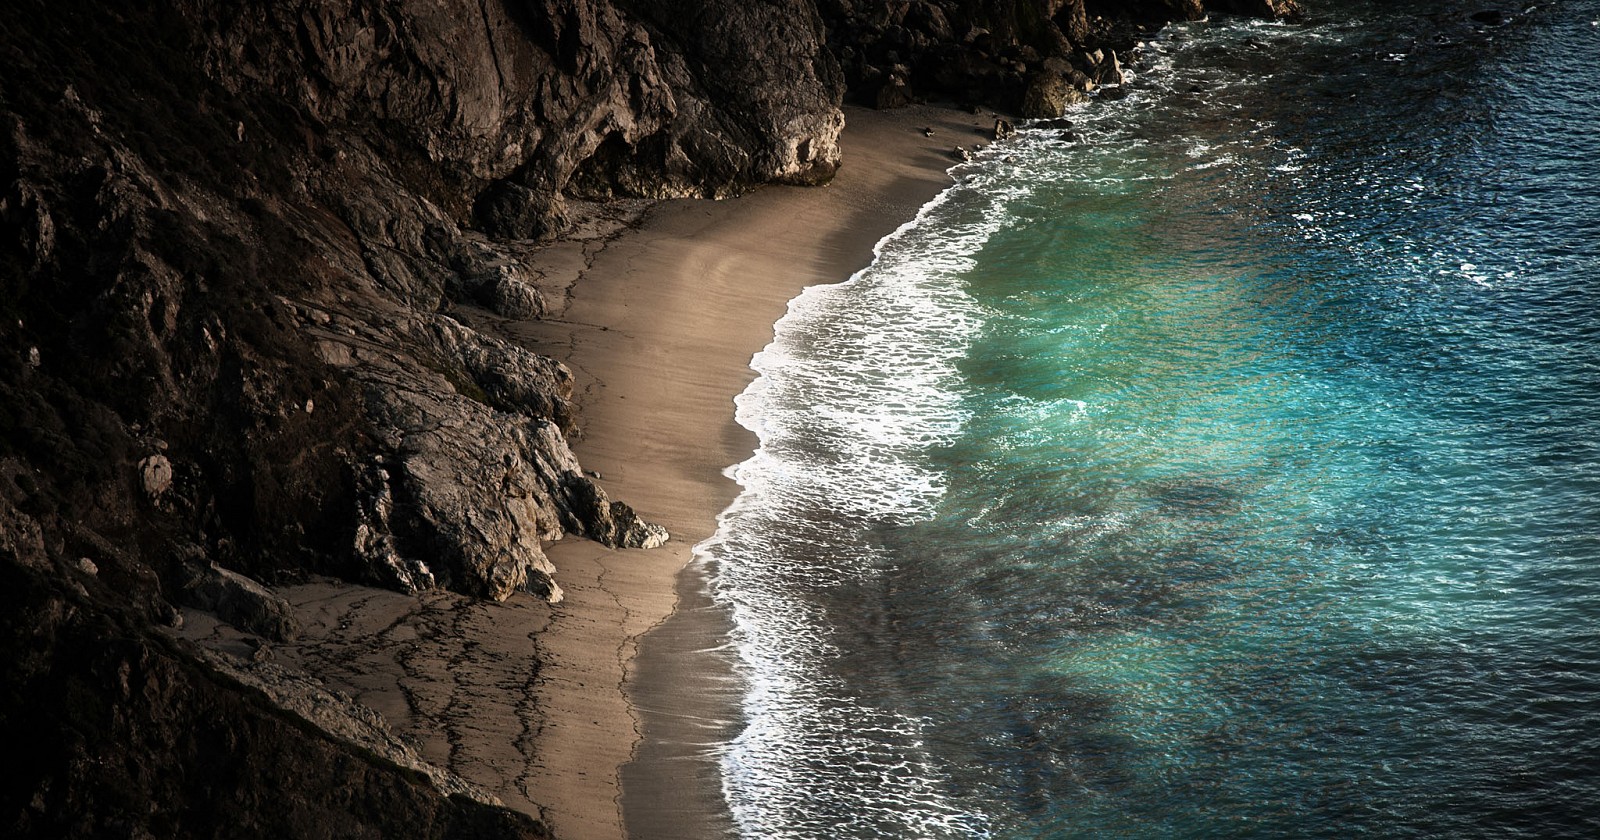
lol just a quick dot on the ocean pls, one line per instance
(1228, 468)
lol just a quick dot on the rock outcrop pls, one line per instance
(232, 237)
(115, 731)
(235, 232)
(1032, 57)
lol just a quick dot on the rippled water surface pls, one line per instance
(1233, 471)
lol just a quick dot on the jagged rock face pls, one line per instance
(994, 52)
(517, 103)
(716, 42)
(1258, 8)
(231, 235)
(117, 732)
(233, 227)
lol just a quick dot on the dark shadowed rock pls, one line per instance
(473, 500)
(231, 235)
(507, 291)
(988, 51)
(1258, 8)
(894, 92)
(1048, 95)
(508, 210)
(1107, 69)
(132, 734)
(238, 600)
(613, 523)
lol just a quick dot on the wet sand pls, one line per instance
(663, 327)
(658, 312)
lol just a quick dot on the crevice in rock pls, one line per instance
(488, 34)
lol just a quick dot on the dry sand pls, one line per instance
(659, 326)
(666, 322)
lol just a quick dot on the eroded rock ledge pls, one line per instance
(232, 237)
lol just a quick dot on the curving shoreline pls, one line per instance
(260, 270)
(672, 314)
(602, 715)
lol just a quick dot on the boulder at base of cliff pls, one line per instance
(611, 523)
(508, 210)
(895, 92)
(239, 601)
(1048, 95)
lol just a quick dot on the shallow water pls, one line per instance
(1234, 471)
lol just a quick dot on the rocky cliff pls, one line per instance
(1031, 57)
(231, 239)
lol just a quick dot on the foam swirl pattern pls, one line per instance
(1232, 472)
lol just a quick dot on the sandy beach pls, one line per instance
(537, 704)
(685, 302)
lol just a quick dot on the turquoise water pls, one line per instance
(1232, 471)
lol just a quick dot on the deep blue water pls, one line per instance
(1233, 471)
